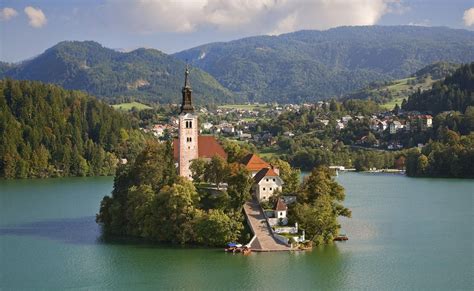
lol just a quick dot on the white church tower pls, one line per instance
(188, 131)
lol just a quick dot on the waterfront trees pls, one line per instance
(49, 131)
(319, 204)
(150, 201)
(451, 156)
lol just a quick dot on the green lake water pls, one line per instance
(405, 234)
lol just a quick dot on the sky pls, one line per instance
(28, 27)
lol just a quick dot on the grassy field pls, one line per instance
(129, 106)
(401, 89)
(391, 104)
(245, 106)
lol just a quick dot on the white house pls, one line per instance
(395, 126)
(207, 125)
(281, 209)
(266, 183)
(340, 125)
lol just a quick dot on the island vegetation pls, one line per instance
(151, 201)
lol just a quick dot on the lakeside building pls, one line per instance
(266, 183)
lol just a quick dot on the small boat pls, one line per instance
(341, 237)
(233, 247)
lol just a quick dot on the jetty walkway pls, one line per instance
(264, 241)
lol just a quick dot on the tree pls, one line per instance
(174, 211)
(139, 210)
(290, 177)
(318, 220)
(318, 183)
(318, 206)
(239, 186)
(422, 165)
(215, 228)
(216, 170)
(198, 168)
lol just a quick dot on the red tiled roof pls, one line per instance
(280, 205)
(265, 172)
(208, 147)
(254, 162)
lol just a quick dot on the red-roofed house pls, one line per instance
(266, 182)
(254, 163)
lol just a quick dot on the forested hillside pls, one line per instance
(48, 131)
(143, 74)
(393, 92)
(311, 65)
(456, 93)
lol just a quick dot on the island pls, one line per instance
(195, 190)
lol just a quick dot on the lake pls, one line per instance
(405, 233)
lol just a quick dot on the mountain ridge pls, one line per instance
(143, 74)
(310, 65)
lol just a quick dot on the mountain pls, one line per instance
(48, 131)
(145, 74)
(389, 93)
(455, 92)
(311, 65)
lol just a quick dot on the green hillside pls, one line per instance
(48, 131)
(144, 74)
(455, 92)
(312, 65)
(389, 93)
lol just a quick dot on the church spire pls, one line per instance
(187, 103)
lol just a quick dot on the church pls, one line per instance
(190, 145)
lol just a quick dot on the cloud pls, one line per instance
(36, 17)
(7, 13)
(424, 22)
(257, 16)
(469, 17)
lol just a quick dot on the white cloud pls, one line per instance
(36, 17)
(259, 16)
(424, 22)
(469, 17)
(7, 13)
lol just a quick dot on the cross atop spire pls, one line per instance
(187, 104)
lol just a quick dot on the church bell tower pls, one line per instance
(188, 130)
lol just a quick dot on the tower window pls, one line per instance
(189, 139)
(189, 124)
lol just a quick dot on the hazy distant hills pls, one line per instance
(309, 65)
(147, 74)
